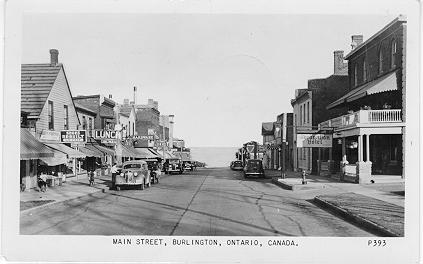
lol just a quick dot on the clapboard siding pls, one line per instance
(60, 96)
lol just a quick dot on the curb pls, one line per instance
(61, 201)
(355, 218)
(293, 187)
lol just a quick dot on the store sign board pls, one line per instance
(104, 134)
(314, 141)
(50, 135)
(108, 141)
(73, 136)
(149, 137)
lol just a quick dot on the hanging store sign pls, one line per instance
(314, 141)
(50, 135)
(73, 136)
(149, 137)
(104, 134)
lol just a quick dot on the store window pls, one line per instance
(66, 117)
(50, 116)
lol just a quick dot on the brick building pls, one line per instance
(102, 106)
(309, 107)
(147, 123)
(370, 135)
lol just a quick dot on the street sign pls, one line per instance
(314, 141)
(73, 136)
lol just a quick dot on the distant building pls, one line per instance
(127, 119)
(309, 110)
(369, 136)
(102, 106)
(147, 122)
(269, 143)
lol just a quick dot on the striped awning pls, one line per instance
(72, 153)
(31, 148)
(90, 151)
(58, 158)
(383, 84)
(105, 150)
(144, 153)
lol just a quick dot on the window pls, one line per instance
(50, 116)
(301, 114)
(393, 53)
(133, 128)
(308, 112)
(66, 118)
(364, 71)
(355, 75)
(84, 123)
(129, 128)
(90, 123)
(380, 60)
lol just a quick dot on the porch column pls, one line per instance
(367, 147)
(360, 148)
(344, 152)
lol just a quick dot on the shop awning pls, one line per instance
(58, 158)
(144, 153)
(105, 150)
(90, 151)
(72, 153)
(384, 84)
(127, 152)
(31, 148)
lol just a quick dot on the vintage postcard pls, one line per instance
(211, 131)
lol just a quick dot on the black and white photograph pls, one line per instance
(183, 131)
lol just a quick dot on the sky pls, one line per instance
(221, 75)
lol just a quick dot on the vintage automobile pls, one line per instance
(173, 165)
(236, 165)
(254, 167)
(188, 165)
(134, 173)
(154, 168)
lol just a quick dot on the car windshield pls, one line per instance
(237, 163)
(254, 163)
(132, 166)
(174, 161)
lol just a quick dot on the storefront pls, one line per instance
(31, 150)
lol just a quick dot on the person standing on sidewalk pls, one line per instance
(114, 172)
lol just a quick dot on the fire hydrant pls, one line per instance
(304, 178)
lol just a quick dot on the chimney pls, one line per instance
(110, 96)
(356, 40)
(339, 66)
(135, 94)
(54, 57)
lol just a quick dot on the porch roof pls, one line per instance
(383, 84)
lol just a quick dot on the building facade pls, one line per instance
(309, 110)
(269, 144)
(103, 107)
(369, 136)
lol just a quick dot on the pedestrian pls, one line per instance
(114, 172)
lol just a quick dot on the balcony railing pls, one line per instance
(364, 117)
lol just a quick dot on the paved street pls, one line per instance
(212, 202)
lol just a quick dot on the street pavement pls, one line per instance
(206, 202)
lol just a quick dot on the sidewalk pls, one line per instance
(379, 207)
(70, 189)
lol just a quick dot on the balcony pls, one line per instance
(358, 118)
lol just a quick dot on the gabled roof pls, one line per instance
(86, 109)
(36, 83)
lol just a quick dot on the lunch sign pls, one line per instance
(314, 140)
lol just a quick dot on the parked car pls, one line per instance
(173, 165)
(188, 165)
(134, 173)
(236, 165)
(254, 167)
(154, 168)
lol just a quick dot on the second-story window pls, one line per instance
(393, 53)
(50, 116)
(355, 75)
(66, 118)
(364, 71)
(301, 115)
(84, 123)
(380, 60)
(90, 123)
(308, 112)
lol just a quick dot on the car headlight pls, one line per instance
(135, 174)
(121, 174)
